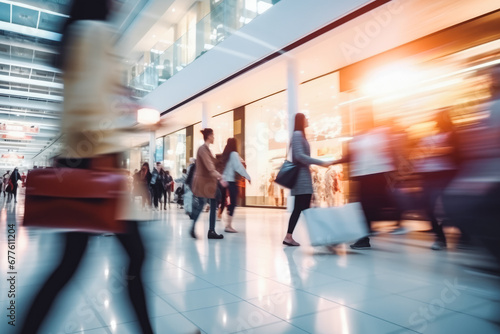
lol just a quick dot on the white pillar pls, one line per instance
(152, 149)
(204, 115)
(292, 94)
(293, 109)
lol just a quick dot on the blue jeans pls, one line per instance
(199, 204)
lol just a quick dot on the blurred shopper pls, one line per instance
(182, 182)
(89, 75)
(144, 182)
(23, 180)
(204, 184)
(233, 165)
(168, 183)
(437, 164)
(472, 198)
(156, 185)
(5, 182)
(371, 159)
(273, 191)
(188, 194)
(12, 185)
(303, 189)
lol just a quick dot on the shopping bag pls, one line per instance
(74, 199)
(334, 225)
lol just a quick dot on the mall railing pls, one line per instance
(224, 19)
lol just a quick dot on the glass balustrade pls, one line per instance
(166, 60)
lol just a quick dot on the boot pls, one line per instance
(229, 225)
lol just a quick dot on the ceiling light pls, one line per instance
(173, 10)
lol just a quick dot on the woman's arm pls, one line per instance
(238, 166)
(299, 154)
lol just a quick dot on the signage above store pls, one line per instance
(11, 156)
(19, 128)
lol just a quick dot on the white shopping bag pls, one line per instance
(335, 225)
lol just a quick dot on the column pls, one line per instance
(152, 149)
(293, 102)
(204, 115)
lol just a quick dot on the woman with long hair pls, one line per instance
(205, 184)
(233, 165)
(90, 80)
(303, 188)
(145, 179)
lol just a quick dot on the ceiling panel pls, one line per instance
(4, 12)
(24, 16)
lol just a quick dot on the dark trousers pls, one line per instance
(199, 204)
(164, 192)
(233, 197)
(75, 246)
(156, 190)
(374, 194)
(302, 202)
(223, 198)
(434, 185)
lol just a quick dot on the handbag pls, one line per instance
(86, 200)
(287, 176)
(335, 225)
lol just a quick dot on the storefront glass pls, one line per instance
(266, 142)
(175, 152)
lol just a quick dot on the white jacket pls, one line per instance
(234, 166)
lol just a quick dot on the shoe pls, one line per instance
(438, 245)
(399, 231)
(229, 229)
(361, 244)
(292, 244)
(191, 233)
(213, 235)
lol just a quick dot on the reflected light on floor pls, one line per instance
(343, 321)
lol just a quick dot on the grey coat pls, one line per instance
(301, 156)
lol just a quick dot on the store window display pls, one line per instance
(174, 158)
(266, 140)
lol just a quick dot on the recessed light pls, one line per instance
(218, 107)
(301, 72)
(173, 9)
(154, 36)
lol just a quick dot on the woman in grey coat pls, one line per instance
(303, 189)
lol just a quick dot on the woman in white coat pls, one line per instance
(233, 165)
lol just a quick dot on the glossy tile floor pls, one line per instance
(250, 283)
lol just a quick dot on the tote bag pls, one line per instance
(334, 225)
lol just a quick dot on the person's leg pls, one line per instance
(197, 207)
(169, 193)
(233, 196)
(74, 248)
(432, 192)
(165, 199)
(369, 191)
(302, 202)
(133, 245)
(213, 210)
